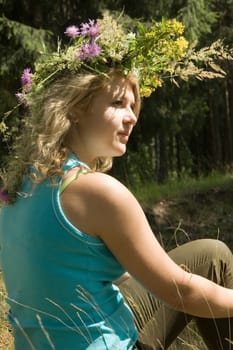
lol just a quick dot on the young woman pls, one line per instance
(82, 268)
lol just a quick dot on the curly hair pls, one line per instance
(41, 144)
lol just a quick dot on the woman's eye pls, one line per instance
(118, 103)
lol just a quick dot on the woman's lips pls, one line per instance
(124, 133)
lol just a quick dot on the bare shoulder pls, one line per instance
(101, 206)
(95, 201)
(101, 187)
(101, 181)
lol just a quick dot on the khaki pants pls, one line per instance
(158, 325)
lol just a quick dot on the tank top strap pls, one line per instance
(70, 179)
(73, 162)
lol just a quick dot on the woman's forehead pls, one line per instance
(118, 87)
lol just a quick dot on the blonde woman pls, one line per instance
(82, 267)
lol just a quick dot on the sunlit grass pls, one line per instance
(188, 339)
(6, 340)
(175, 188)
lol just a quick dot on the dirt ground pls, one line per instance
(193, 216)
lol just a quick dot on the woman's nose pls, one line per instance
(131, 117)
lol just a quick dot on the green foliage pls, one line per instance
(20, 45)
(19, 42)
(198, 17)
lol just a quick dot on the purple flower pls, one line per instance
(89, 51)
(26, 77)
(26, 80)
(72, 32)
(84, 29)
(3, 196)
(91, 28)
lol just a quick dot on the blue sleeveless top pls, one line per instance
(60, 280)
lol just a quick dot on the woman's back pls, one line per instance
(60, 281)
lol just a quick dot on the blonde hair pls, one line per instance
(42, 143)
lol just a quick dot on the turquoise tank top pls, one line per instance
(60, 280)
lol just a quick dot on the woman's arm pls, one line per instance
(101, 206)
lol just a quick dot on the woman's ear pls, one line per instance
(74, 115)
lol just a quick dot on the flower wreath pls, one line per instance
(101, 44)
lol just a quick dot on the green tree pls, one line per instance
(20, 45)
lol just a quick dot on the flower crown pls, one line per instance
(101, 44)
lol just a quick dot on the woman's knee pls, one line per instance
(206, 246)
(203, 254)
(216, 248)
(212, 259)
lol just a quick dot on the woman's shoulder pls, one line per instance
(99, 186)
(96, 199)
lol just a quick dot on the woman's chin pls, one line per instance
(120, 152)
(117, 152)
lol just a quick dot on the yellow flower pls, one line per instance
(157, 82)
(145, 91)
(177, 27)
(182, 45)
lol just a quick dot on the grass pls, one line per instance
(6, 340)
(188, 339)
(180, 211)
(152, 192)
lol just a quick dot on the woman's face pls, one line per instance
(104, 129)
